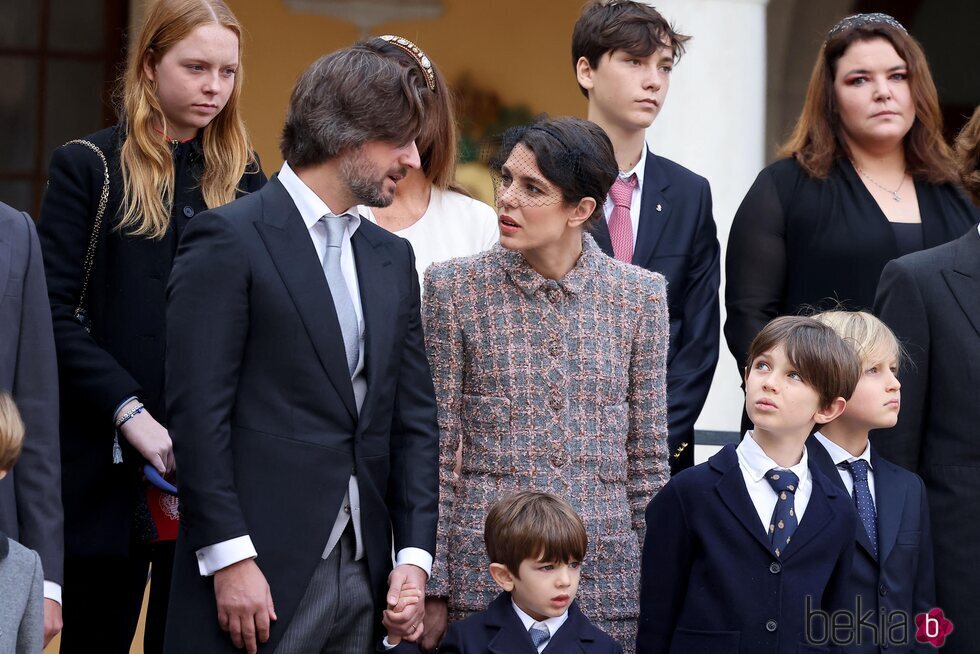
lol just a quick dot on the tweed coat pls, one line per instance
(555, 386)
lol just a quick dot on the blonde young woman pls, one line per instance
(180, 147)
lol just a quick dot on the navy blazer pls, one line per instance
(901, 577)
(711, 585)
(677, 238)
(499, 630)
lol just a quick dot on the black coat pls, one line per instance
(931, 299)
(123, 356)
(797, 241)
(262, 411)
(900, 579)
(677, 237)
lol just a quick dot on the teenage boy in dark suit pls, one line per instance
(658, 213)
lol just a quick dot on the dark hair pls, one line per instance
(968, 156)
(817, 139)
(437, 140)
(573, 154)
(532, 525)
(827, 364)
(634, 27)
(346, 99)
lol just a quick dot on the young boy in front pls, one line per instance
(536, 544)
(892, 575)
(658, 213)
(21, 577)
(740, 550)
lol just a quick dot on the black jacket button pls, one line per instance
(775, 568)
(188, 211)
(772, 625)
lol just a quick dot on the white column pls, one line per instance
(713, 122)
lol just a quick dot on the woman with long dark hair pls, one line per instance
(866, 178)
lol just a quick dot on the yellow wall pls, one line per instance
(518, 48)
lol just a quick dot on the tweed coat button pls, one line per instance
(775, 568)
(556, 403)
(554, 295)
(559, 458)
(554, 348)
(772, 625)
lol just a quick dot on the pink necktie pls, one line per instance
(620, 225)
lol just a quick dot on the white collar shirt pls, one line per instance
(841, 456)
(639, 169)
(553, 624)
(754, 464)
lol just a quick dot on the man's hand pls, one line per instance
(149, 438)
(436, 622)
(403, 619)
(52, 620)
(244, 604)
(409, 596)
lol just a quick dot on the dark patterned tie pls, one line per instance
(784, 521)
(863, 501)
(539, 634)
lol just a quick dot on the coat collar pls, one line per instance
(512, 637)
(964, 278)
(4, 546)
(732, 492)
(531, 281)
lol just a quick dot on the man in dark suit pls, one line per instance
(30, 496)
(658, 214)
(299, 396)
(894, 576)
(931, 299)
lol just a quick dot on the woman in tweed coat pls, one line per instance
(549, 365)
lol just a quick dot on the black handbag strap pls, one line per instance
(93, 240)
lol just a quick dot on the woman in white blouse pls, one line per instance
(437, 217)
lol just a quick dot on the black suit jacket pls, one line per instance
(710, 583)
(931, 299)
(900, 578)
(123, 355)
(30, 495)
(499, 630)
(677, 238)
(262, 413)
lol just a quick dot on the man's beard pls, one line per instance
(358, 173)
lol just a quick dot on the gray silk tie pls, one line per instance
(338, 288)
(539, 634)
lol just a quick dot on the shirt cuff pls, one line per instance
(415, 556)
(52, 591)
(212, 558)
(386, 644)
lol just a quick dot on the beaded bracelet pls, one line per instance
(129, 415)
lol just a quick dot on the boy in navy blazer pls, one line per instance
(892, 578)
(743, 550)
(536, 544)
(658, 213)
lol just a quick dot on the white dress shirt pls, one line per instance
(635, 202)
(754, 464)
(553, 624)
(311, 208)
(840, 455)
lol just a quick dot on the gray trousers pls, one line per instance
(336, 614)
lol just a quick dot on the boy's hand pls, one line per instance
(410, 595)
(404, 620)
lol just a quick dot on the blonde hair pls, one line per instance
(11, 432)
(145, 158)
(867, 334)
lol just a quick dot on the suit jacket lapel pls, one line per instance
(569, 636)
(5, 255)
(889, 504)
(821, 458)
(964, 279)
(652, 219)
(817, 515)
(734, 495)
(288, 241)
(511, 637)
(376, 280)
